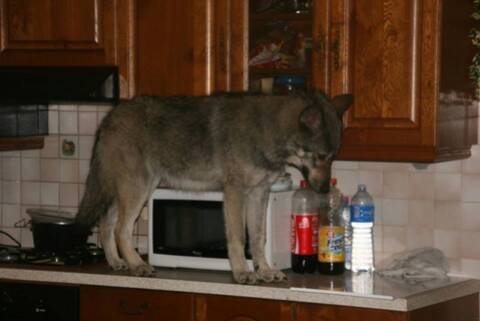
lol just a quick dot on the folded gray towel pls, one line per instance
(419, 265)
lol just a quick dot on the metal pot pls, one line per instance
(56, 231)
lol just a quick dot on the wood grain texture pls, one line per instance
(71, 33)
(224, 308)
(101, 303)
(21, 143)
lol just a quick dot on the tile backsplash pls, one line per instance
(416, 205)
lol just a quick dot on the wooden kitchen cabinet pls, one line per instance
(461, 309)
(225, 308)
(69, 33)
(191, 47)
(406, 63)
(103, 303)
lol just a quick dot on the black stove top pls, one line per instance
(84, 255)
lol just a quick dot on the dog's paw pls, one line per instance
(118, 265)
(142, 270)
(271, 275)
(246, 277)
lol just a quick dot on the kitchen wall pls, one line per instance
(416, 205)
(53, 177)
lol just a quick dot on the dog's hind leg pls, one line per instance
(257, 202)
(234, 200)
(130, 201)
(107, 238)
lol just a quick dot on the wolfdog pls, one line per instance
(235, 143)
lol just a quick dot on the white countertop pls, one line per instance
(358, 290)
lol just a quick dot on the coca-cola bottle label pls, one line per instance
(331, 244)
(304, 234)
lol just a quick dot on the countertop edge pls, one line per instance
(413, 302)
(451, 292)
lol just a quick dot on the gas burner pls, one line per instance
(84, 255)
(9, 254)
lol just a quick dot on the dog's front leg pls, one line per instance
(257, 203)
(234, 209)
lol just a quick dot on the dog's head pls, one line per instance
(320, 133)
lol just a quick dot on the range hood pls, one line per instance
(45, 85)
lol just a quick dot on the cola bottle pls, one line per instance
(304, 229)
(331, 251)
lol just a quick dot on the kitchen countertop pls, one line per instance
(358, 290)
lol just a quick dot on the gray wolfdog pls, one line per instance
(237, 143)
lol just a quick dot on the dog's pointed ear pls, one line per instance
(312, 118)
(342, 103)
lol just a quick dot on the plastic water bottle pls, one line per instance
(362, 216)
(347, 225)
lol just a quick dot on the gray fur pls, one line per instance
(238, 144)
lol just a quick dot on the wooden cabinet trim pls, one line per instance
(21, 143)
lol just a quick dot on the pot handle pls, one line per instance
(23, 223)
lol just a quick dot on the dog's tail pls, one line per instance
(97, 198)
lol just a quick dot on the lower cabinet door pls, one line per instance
(316, 312)
(118, 304)
(224, 308)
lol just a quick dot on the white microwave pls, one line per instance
(186, 230)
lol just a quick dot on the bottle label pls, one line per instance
(304, 234)
(331, 244)
(362, 213)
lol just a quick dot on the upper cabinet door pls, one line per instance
(388, 54)
(69, 32)
(57, 32)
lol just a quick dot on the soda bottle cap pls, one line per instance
(303, 184)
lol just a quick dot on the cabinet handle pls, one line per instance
(336, 54)
(131, 310)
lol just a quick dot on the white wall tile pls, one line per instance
(448, 187)
(470, 216)
(447, 215)
(471, 188)
(420, 213)
(373, 180)
(68, 122)
(30, 194)
(85, 146)
(396, 185)
(469, 242)
(11, 168)
(421, 186)
(11, 192)
(14, 232)
(87, 123)
(49, 194)
(69, 170)
(53, 127)
(449, 242)
(50, 169)
(419, 237)
(83, 169)
(472, 164)
(30, 169)
(395, 212)
(69, 195)
(448, 167)
(394, 239)
(470, 267)
(11, 215)
(51, 148)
